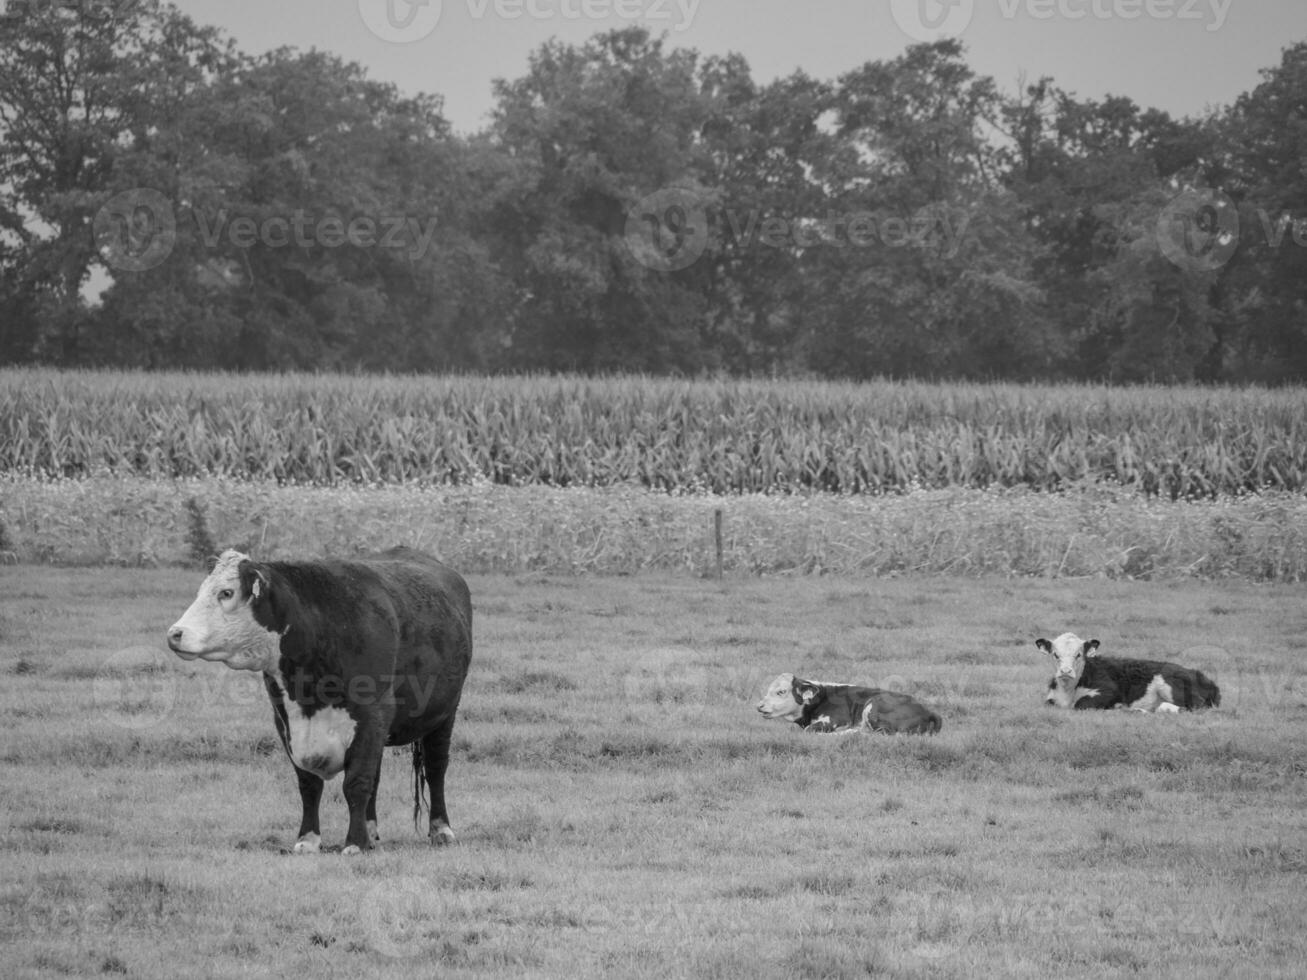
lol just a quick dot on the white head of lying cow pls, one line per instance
(785, 699)
(1070, 653)
(220, 624)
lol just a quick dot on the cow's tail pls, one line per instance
(419, 782)
(933, 724)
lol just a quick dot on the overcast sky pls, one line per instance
(1183, 56)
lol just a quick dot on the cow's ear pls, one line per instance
(211, 562)
(255, 583)
(1044, 645)
(267, 605)
(1091, 648)
(804, 691)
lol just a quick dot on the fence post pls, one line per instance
(717, 537)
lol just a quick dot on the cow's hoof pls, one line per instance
(1166, 708)
(442, 835)
(349, 850)
(308, 844)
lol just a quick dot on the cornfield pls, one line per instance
(669, 435)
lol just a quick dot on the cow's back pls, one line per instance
(1129, 680)
(1190, 688)
(434, 608)
(894, 712)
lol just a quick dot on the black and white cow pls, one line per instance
(1083, 679)
(355, 655)
(817, 706)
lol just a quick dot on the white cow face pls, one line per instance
(778, 699)
(1069, 653)
(220, 625)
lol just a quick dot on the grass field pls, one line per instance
(624, 812)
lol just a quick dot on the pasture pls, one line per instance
(624, 812)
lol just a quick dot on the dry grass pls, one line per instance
(624, 812)
(1090, 532)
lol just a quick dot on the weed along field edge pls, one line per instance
(623, 810)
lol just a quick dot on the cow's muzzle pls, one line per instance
(175, 636)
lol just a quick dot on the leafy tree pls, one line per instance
(592, 130)
(1094, 179)
(765, 146)
(81, 86)
(942, 281)
(1265, 298)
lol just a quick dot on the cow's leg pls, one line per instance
(1097, 700)
(1156, 697)
(361, 767)
(435, 758)
(1104, 696)
(310, 837)
(373, 834)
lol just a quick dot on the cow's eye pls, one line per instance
(225, 594)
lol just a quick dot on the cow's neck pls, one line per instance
(810, 710)
(1063, 691)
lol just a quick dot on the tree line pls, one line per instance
(167, 200)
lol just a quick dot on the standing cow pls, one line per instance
(1083, 679)
(355, 655)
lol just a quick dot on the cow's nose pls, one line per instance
(175, 637)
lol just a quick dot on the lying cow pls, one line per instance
(1086, 680)
(355, 655)
(820, 707)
